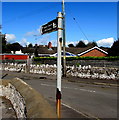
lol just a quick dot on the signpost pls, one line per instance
(50, 27)
(56, 25)
(59, 67)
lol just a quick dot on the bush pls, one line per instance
(44, 58)
(110, 58)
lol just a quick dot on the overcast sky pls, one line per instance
(94, 21)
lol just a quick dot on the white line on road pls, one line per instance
(85, 115)
(85, 90)
(48, 85)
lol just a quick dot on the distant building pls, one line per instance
(68, 54)
(49, 45)
(48, 50)
(17, 52)
(13, 57)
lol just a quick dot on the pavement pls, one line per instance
(67, 111)
(115, 83)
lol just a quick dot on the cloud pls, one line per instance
(29, 34)
(85, 41)
(24, 42)
(36, 32)
(10, 38)
(43, 40)
(39, 29)
(76, 42)
(105, 42)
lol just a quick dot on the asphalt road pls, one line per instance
(95, 101)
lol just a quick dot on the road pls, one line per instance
(95, 101)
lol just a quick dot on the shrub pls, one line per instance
(110, 58)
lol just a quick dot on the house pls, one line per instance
(68, 54)
(88, 51)
(13, 57)
(17, 52)
(93, 52)
(48, 50)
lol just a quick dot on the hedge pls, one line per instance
(78, 58)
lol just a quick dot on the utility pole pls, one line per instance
(28, 64)
(59, 66)
(64, 41)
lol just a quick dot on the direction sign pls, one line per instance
(50, 26)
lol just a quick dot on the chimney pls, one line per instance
(49, 45)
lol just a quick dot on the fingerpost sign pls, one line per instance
(50, 27)
(56, 25)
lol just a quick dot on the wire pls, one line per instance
(78, 25)
(80, 28)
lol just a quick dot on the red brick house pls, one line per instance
(94, 52)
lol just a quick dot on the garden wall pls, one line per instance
(95, 63)
(77, 71)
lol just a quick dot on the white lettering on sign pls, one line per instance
(50, 26)
(54, 25)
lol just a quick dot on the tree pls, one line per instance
(113, 51)
(80, 44)
(36, 51)
(92, 44)
(30, 45)
(15, 47)
(3, 39)
(8, 47)
(4, 42)
(71, 45)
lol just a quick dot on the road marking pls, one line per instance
(43, 84)
(85, 115)
(85, 90)
(75, 110)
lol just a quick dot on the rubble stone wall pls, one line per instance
(94, 63)
(27, 102)
(78, 71)
(10, 92)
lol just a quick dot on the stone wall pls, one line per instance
(10, 92)
(27, 102)
(78, 71)
(95, 63)
(93, 72)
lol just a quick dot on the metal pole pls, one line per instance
(28, 65)
(64, 40)
(59, 67)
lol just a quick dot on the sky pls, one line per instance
(94, 21)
